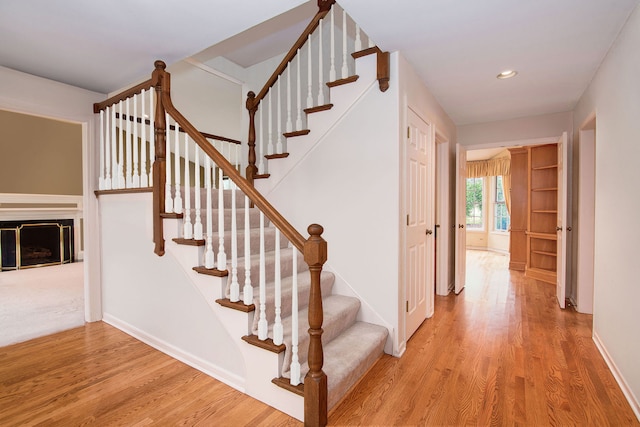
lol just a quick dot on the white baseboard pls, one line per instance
(195, 362)
(626, 390)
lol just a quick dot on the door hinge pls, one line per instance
(408, 132)
(407, 219)
(407, 306)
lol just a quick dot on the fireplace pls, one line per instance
(34, 243)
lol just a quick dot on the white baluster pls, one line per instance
(209, 261)
(102, 132)
(152, 136)
(261, 144)
(121, 136)
(370, 42)
(358, 42)
(107, 154)
(320, 71)
(197, 226)
(295, 363)
(278, 331)
(262, 322)
(289, 126)
(309, 75)
(332, 68)
(247, 290)
(144, 176)
(114, 150)
(279, 118)
(345, 66)
(187, 226)
(298, 93)
(168, 199)
(234, 290)
(129, 141)
(222, 256)
(177, 201)
(270, 124)
(135, 181)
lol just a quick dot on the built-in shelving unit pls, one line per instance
(542, 212)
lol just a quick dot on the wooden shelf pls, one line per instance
(544, 253)
(545, 236)
(545, 211)
(545, 189)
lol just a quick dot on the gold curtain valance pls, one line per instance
(491, 167)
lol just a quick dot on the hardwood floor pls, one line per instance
(500, 353)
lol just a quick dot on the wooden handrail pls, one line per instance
(229, 170)
(146, 85)
(324, 6)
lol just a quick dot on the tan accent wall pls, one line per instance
(39, 155)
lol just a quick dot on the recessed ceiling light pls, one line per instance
(507, 74)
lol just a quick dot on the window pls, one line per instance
(475, 193)
(501, 218)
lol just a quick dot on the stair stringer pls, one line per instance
(342, 97)
(260, 366)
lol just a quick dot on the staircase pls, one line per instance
(296, 335)
(350, 346)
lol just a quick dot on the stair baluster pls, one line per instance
(298, 94)
(247, 290)
(278, 332)
(135, 180)
(168, 199)
(332, 43)
(345, 66)
(279, 117)
(234, 295)
(121, 137)
(222, 255)
(209, 256)
(320, 66)
(114, 148)
(177, 199)
(187, 227)
(129, 144)
(262, 323)
(101, 180)
(144, 176)
(197, 226)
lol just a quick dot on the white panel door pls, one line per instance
(461, 218)
(562, 224)
(419, 231)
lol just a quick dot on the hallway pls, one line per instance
(500, 353)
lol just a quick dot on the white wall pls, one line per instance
(153, 298)
(29, 94)
(614, 96)
(548, 125)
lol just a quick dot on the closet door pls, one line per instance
(562, 226)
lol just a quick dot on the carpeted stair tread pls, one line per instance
(348, 357)
(286, 267)
(339, 313)
(304, 288)
(254, 218)
(254, 243)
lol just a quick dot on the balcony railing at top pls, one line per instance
(127, 146)
(322, 54)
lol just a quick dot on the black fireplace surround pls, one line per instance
(35, 243)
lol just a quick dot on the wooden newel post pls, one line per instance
(325, 5)
(252, 107)
(161, 80)
(315, 383)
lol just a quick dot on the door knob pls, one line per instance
(429, 232)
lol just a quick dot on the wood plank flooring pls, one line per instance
(500, 353)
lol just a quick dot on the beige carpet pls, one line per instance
(40, 301)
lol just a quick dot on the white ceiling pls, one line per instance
(456, 46)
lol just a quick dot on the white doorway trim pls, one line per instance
(442, 217)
